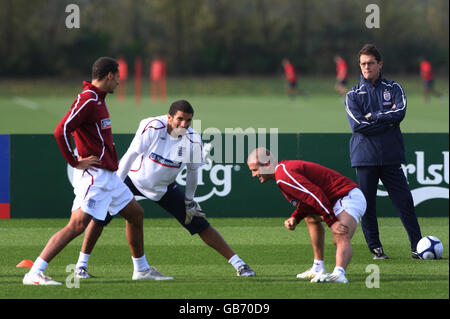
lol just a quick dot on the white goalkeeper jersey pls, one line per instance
(155, 158)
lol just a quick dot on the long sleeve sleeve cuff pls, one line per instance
(329, 219)
(298, 217)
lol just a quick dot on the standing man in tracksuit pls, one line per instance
(375, 107)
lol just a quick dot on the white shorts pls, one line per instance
(98, 191)
(354, 204)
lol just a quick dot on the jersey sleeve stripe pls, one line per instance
(301, 188)
(403, 93)
(140, 165)
(347, 109)
(73, 114)
(153, 127)
(103, 141)
(65, 125)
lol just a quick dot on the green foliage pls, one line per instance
(220, 37)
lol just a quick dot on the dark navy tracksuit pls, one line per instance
(377, 151)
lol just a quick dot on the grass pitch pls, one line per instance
(37, 106)
(275, 254)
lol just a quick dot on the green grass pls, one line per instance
(276, 255)
(37, 106)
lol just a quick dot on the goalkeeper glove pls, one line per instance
(192, 209)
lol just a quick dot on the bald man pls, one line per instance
(319, 194)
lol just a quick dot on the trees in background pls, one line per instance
(220, 36)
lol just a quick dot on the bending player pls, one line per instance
(319, 194)
(161, 148)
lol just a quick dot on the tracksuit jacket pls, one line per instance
(378, 141)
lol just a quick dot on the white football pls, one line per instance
(430, 247)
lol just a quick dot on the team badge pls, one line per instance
(386, 95)
(91, 203)
(106, 123)
(294, 202)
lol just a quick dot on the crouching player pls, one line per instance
(319, 194)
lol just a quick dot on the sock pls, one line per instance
(39, 265)
(318, 265)
(82, 260)
(339, 270)
(140, 264)
(236, 262)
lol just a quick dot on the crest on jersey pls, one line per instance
(106, 123)
(386, 95)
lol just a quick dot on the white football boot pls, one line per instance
(311, 274)
(340, 278)
(336, 278)
(39, 279)
(150, 274)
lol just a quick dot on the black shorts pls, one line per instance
(173, 202)
(292, 84)
(428, 84)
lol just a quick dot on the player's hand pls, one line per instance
(192, 209)
(368, 116)
(339, 229)
(290, 223)
(394, 106)
(87, 162)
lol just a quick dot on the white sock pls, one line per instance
(82, 260)
(236, 262)
(338, 271)
(140, 264)
(39, 265)
(318, 265)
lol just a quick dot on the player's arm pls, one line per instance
(359, 122)
(87, 162)
(69, 123)
(298, 215)
(192, 207)
(125, 163)
(191, 182)
(64, 141)
(299, 187)
(396, 113)
(138, 146)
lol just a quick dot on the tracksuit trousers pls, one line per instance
(399, 192)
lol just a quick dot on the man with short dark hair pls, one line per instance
(97, 187)
(161, 148)
(375, 108)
